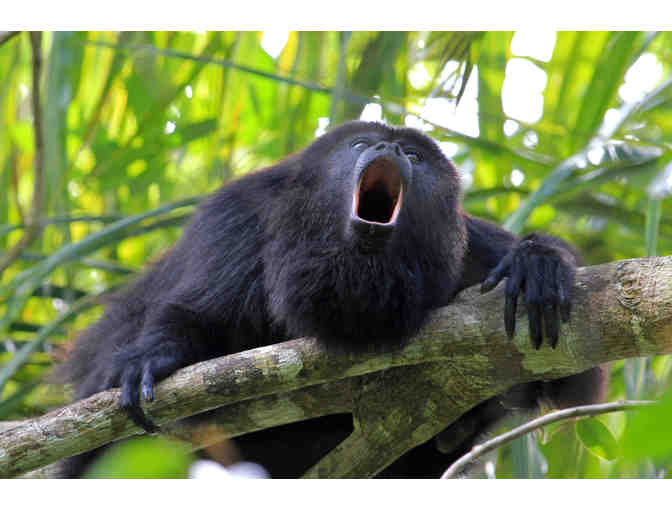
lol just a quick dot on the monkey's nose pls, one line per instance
(390, 146)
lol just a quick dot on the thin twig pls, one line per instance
(573, 412)
(34, 226)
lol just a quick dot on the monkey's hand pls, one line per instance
(543, 268)
(138, 368)
(136, 376)
(135, 373)
(159, 351)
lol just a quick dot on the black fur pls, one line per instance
(283, 253)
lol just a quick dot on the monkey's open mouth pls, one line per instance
(379, 192)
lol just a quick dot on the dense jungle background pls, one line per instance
(568, 133)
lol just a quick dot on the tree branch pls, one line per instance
(564, 414)
(398, 399)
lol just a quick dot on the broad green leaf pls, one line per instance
(608, 73)
(144, 458)
(647, 433)
(597, 438)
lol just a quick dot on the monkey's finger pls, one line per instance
(147, 383)
(130, 378)
(533, 302)
(512, 291)
(130, 398)
(160, 361)
(551, 323)
(534, 316)
(565, 279)
(500, 271)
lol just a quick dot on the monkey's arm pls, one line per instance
(210, 301)
(540, 266)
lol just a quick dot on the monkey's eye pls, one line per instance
(413, 155)
(360, 145)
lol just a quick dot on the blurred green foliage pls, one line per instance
(146, 457)
(139, 125)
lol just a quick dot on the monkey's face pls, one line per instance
(385, 181)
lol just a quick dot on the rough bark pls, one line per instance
(398, 399)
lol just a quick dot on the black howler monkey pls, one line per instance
(353, 240)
